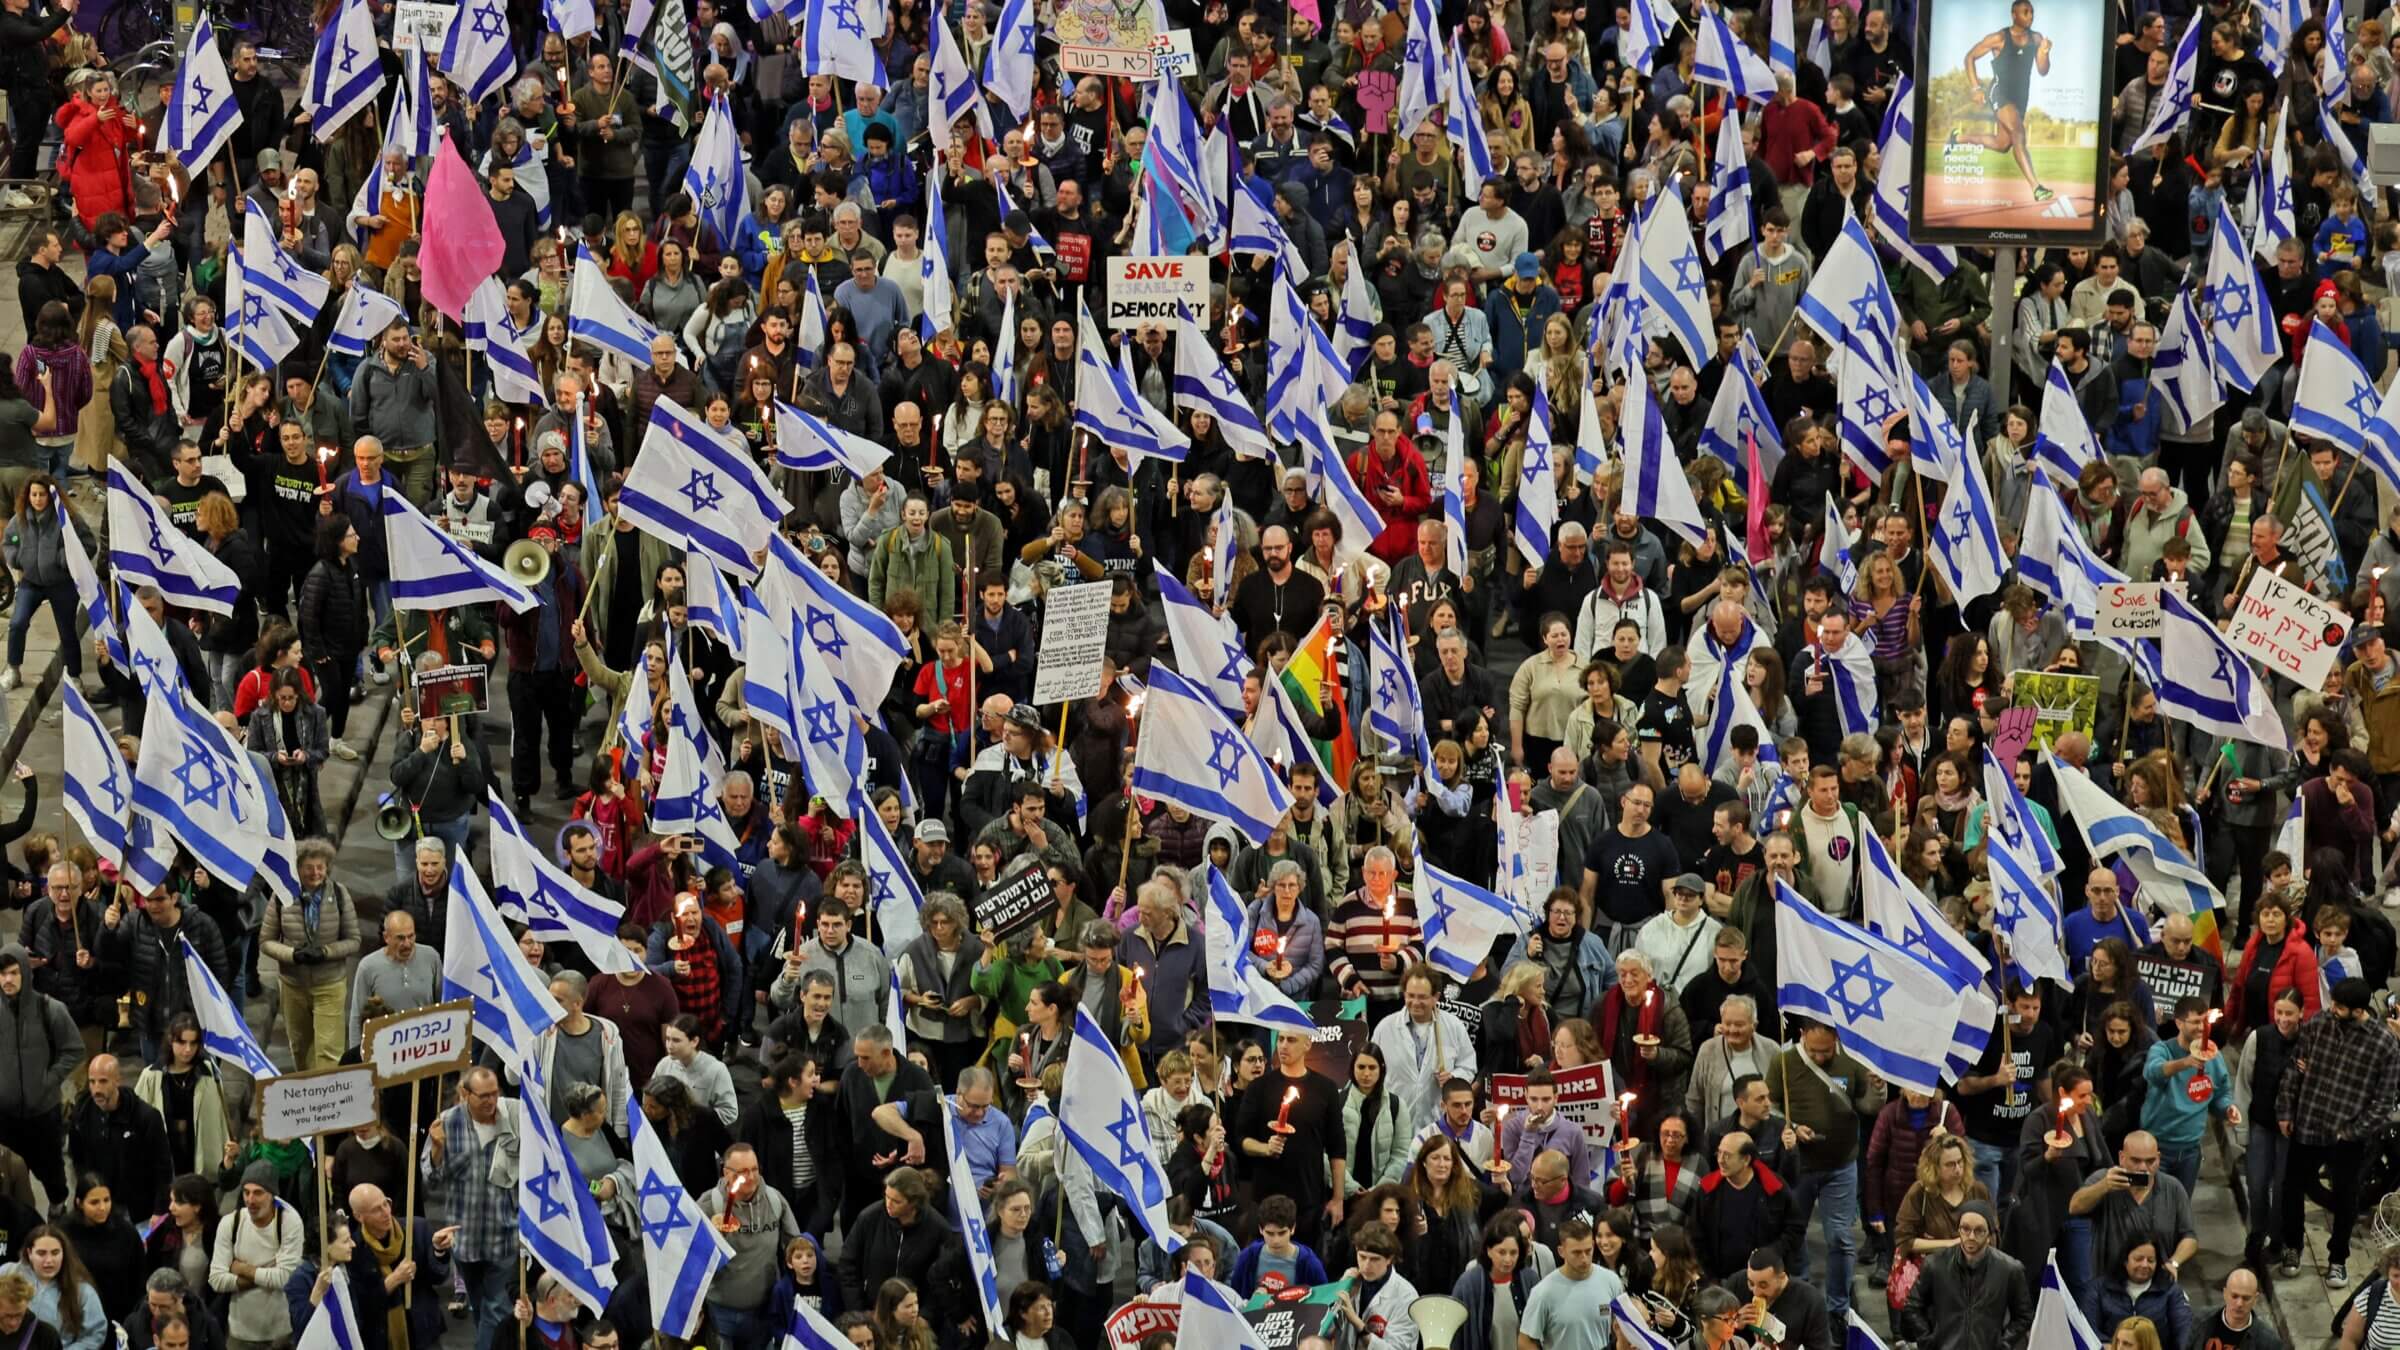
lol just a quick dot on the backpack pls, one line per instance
(2374, 1293)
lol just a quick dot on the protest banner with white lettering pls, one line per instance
(2289, 631)
(422, 1043)
(1141, 1319)
(1074, 642)
(320, 1101)
(1586, 1095)
(1011, 909)
(1155, 290)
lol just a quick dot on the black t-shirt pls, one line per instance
(1316, 1121)
(1691, 824)
(1726, 869)
(2213, 1334)
(1997, 1115)
(1632, 874)
(1667, 721)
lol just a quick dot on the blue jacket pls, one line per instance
(1308, 1269)
(888, 179)
(750, 245)
(125, 267)
(1328, 190)
(2163, 1303)
(2129, 436)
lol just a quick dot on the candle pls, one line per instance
(1133, 991)
(1280, 944)
(1283, 1118)
(1625, 1106)
(2209, 1030)
(1025, 1050)
(1499, 1126)
(324, 459)
(2066, 1108)
(518, 444)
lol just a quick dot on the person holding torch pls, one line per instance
(1289, 1124)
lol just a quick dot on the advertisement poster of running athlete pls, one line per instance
(2011, 122)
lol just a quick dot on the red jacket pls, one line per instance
(2295, 969)
(99, 159)
(1407, 473)
(1786, 129)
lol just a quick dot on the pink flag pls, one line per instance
(462, 243)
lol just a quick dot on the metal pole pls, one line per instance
(2004, 314)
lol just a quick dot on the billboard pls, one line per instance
(2011, 122)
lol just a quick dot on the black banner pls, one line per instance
(1017, 906)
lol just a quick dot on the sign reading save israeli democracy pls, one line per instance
(2293, 633)
(1155, 290)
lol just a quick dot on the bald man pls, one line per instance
(118, 1137)
(390, 1257)
(2175, 967)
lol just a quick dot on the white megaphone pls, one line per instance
(1438, 1318)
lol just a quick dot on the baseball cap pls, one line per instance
(1528, 267)
(1690, 881)
(933, 832)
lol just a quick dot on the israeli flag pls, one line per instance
(835, 41)
(766, 653)
(1305, 371)
(805, 442)
(86, 579)
(1461, 920)
(144, 648)
(224, 1032)
(681, 1248)
(719, 176)
(2171, 106)
(201, 113)
(713, 604)
(635, 720)
(509, 356)
(1357, 311)
(512, 999)
(1004, 353)
(1202, 383)
(535, 891)
(1654, 486)
(1361, 523)
(1191, 756)
(2291, 838)
(1783, 45)
(1730, 223)
(893, 896)
(1898, 912)
(698, 490)
(832, 749)
(365, 316)
(973, 1232)
(2049, 560)
(1733, 708)
(147, 549)
(2242, 322)
(2063, 444)
(933, 271)
(595, 314)
(1009, 63)
(1279, 735)
(1256, 231)
(579, 464)
(1238, 987)
(557, 1218)
(1834, 554)
(334, 1326)
(195, 781)
(808, 333)
(1850, 304)
(1454, 504)
(1212, 1314)
(255, 331)
(2336, 402)
(1653, 23)
(1966, 529)
(2114, 831)
(691, 787)
(413, 130)
(1106, 404)
(476, 52)
(858, 642)
(1739, 414)
(1395, 709)
(1423, 81)
(1207, 648)
(2184, 371)
(431, 570)
(1537, 480)
(2057, 1321)
(1864, 385)
(1673, 281)
(2345, 153)
(98, 783)
(1896, 1014)
(1102, 1118)
(951, 95)
(1728, 63)
(2229, 699)
(2024, 907)
(1591, 442)
(346, 75)
(2274, 185)
(1892, 189)
(1463, 116)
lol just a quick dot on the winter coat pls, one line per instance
(44, 1047)
(928, 570)
(284, 934)
(1982, 1306)
(334, 617)
(2295, 968)
(98, 159)
(153, 961)
(37, 548)
(70, 370)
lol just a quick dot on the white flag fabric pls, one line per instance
(860, 642)
(2242, 322)
(1238, 987)
(192, 778)
(1892, 188)
(1009, 63)
(1897, 911)
(972, 1230)
(2272, 193)
(365, 314)
(1655, 487)
(2184, 372)
(346, 74)
(1395, 709)
(2057, 1323)
(834, 41)
(1190, 755)
(690, 795)
(682, 1251)
(1674, 280)
(2337, 402)
(2064, 443)
(1102, 1119)
(1107, 405)
(432, 570)
(98, 783)
(1727, 62)
(508, 353)
(1004, 353)
(951, 93)
(1212, 1317)
(806, 442)
(413, 128)
(2113, 831)
(271, 272)
(2051, 558)
(595, 314)
(1201, 382)
(224, 1032)
(147, 549)
(941, 302)
(1739, 414)
(476, 52)
(1361, 523)
(1279, 733)
(334, 1326)
(719, 175)
(535, 891)
(1730, 224)
(557, 1218)
(1423, 81)
(1208, 649)
(1462, 115)
(893, 895)
(512, 999)
(1834, 555)
(1537, 480)
(2171, 106)
(2199, 677)
(1965, 538)
(2024, 906)
(698, 490)
(1461, 920)
(201, 113)
(833, 751)
(253, 329)
(1896, 1014)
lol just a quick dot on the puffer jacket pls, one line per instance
(333, 610)
(99, 159)
(154, 961)
(37, 548)
(43, 1047)
(284, 933)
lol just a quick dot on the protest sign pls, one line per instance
(1284, 1315)
(2284, 628)
(1155, 290)
(1586, 1095)
(321, 1101)
(1336, 1041)
(2061, 703)
(423, 1043)
(452, 691)
(1141, 1319)
(1099, 37)
(420, 25)
(2129, 609)
(1011, 909)
(1074, 642)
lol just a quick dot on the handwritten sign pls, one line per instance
(1155, 290)
(326, 1101)
(1586, 1095)
(423, 1043)
(1019, 905)
(1074, 642)
(2130, 609)
(453, 691)
(2293, 633)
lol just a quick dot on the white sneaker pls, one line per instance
(345, 752)
(14, 200)
(9, 678)
(381, 674)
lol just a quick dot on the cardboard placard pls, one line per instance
(425, 1042)
(1074, 642)
(2130, 609)
(2292, 633)
(1168, 53)
(1011, 909)
(2061, 703)
(321, 1101)
(453, 691)
(1155, 290)
(421, 21)
(1587, 1096)
(1141, 1319)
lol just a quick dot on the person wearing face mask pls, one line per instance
(1970, 1296)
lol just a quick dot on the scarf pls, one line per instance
(1533, 1031)
(1852, 673)
(388, 1254)
(1362, 1149)
(1645, 1023)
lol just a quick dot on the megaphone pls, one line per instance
(1438, 1318)
(393, 818)
(527, 561)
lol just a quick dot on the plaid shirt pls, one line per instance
(486, 1214)
(2348, 1088)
